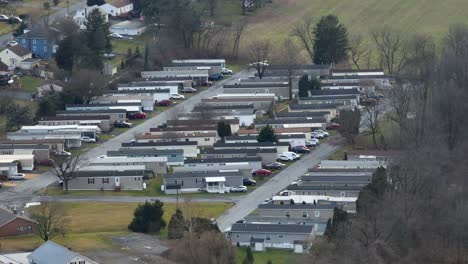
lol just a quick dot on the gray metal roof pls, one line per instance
(283, 67)
(112, 173)
(271, 228)
(314, 106)
(334, 92)
(231, 106)
(358, 77)
(92, 111)
(235, 151)
(297, 206)
(157, 144)
(333, 97)
(190, 64)
(6, 216)
(52, 253)
(139, 91)
(322, 188)
(255, 144)
(198, 174)
(301, 114)
(77, 117)
(129, 152)
(350, 179)
(199, 161)
(290, 121)
(32, 146)
(256, 85)
(255, 137)
(356, 70)
(99, 105)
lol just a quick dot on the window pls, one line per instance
(34, 41)
(182, 183)
(24, 41)
(81, 262)
(280, 236)
(105, 180)
(343, 194)
(90, 181)
(267, 237)
(207, 139)
(317, 213)
(45, 41)
(45, 48)
(304, 214)
(74, 262)
(173, 155)
(34, 48)
(288, 214)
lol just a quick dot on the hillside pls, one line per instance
(424, 16)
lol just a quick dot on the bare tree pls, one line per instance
(372, 113)
(259, 53)
(400, 102)
(391, 48)
(209, 248)
(50, 218)
(46, 11)
(290, 58)
(357, 49)
(238, 30)
(66, 167)
(87, 84)
(304, 31)
(350, 121)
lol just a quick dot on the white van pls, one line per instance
(288, 156)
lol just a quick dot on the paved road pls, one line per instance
(250, 202)
(25, 191)
(137, 199)
(53, 17)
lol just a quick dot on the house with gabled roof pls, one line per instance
(12, 224)
(53, 253)
(14, 55)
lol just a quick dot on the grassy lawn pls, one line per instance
(90, 225)
(29, 84)
(277, 256)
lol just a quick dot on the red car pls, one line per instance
(163, 103)
(262, 172)
(140, 115)
(333, 126)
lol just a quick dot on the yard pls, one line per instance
(29, 84)
(276, 256)
(91, 225)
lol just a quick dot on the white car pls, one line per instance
(116, 35)
(4, 18)
(17, 177)
(261, 63)
(284, 157)
(11, 43)
(325, 133)
(312, 142)
(238, 189)
(226, 71)
(318, 135)
(88, 140)
(62, 153)
(176, 96)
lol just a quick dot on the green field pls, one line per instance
(90, 225)
(360, 16)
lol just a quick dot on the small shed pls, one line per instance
(257, 244)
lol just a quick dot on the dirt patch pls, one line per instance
(134, 248)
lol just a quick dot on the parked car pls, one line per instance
(11, 43)
(123, 124)
(4, 17)
(62, 153)
(14, 19)
(47, 162)
(17, 177)
(275, 166)
(164, 125)
(206, 83)
(226, 71)
(240, 221)
(249, 182)
(284, 157)
(268, 201)
(325, 133)
(163, 103)
(189, 90)
(139, 115)
(312, 142)
(333, 126)
(317, 135)
(238, 189)
(261, 63)
(88, 140)
(216, 77)
(261, 172)
(300, 149)
(176, 96)
(116, 35)
(286, 193)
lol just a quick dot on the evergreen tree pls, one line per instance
(129, 53)
(122, 64)
(304, 86)
(267, 134)
(336, 224)
(66, 52)
(176, 225)
(97, 38)
(315, 84)
(224, 129)
(249, 258)
(330, 41)
(146, 64)
(148, 218)
(19, 30)
(374, 191)
(137, 52)
(17, 116)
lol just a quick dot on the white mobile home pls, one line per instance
(157, 164)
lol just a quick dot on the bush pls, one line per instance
(148, 218)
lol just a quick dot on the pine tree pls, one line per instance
(176, 225)
(146, 64)
(137, 52)
(330, 41)
(304, 86)
(249, 258)
(148, 218)
(267, 134)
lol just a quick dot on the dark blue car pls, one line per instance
(216, 77)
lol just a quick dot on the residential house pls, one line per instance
(31, 65)
(112, 179)
(52, 253)
(279, 146)
(40, 152)
(338, 92)
(7, 169)
(49, 88)
(85, 130)
(363, 87)
(311, 123)
(306, 115)
(162, 80)
(146, 101)
(213, 68)
(332, 108)
(198, 76)
(345, 203)
(189, 147)
(292, 139)
(25, 160)
(234, 123)
(68, 139)
(157, 94)
(52, 144)
(306, 211)
(262, 105)
(196, 129)
(360, 72)
(117, 7)
(301, 70)
(217, 62)
(115, 115)
(128, 107)
(149, 86)
(129, 28)
(379, 81)
(175, 157)
(81, 16)
(337, 180)
(248, 164)
(40, 41)
(349, 100)
(269, 235)
(202, 139)
(335, 191)
(279, 131)
(102, 121)
(209, 181)
(281, 90)
(14, 55)
(267, 155)
(352, 164)
(374, 155)
(158, 165)
(15, 224)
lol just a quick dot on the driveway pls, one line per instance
(24, 192)
(250, 202)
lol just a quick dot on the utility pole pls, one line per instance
(68, 9)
